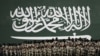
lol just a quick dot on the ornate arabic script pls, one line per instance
(38, 18)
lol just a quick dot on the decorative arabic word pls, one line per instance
(36, 19)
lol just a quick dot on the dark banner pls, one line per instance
(46, 19)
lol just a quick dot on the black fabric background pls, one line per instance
(6, 23)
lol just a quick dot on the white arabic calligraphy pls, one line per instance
(39, 18)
